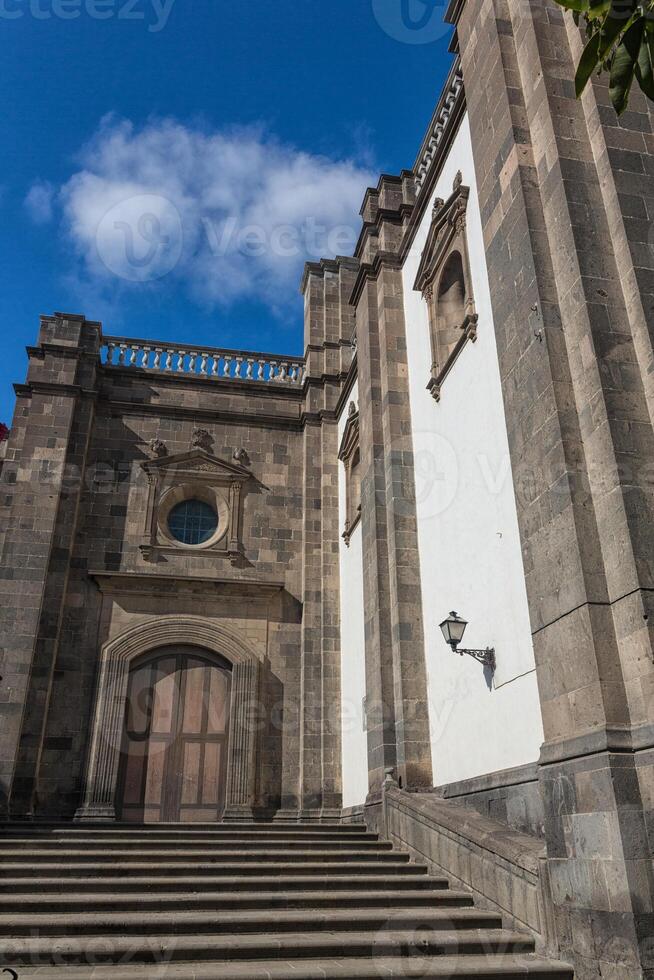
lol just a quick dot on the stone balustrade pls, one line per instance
(208, 362)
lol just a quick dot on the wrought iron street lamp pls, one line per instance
(453, 629)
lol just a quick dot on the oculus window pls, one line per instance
(192, 522)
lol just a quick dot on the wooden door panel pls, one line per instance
(175, 744)
(211, 774)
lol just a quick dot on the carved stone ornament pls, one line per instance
(351, 409)
(158, 447)
(458, 181)
(241, 456)
(202, 439)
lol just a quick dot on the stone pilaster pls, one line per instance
(575, 361)
(42, 481)
(328, 332)
(398, 723)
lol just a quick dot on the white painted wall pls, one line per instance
(353, 661)
(470, 554)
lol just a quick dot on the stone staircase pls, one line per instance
(227, 902)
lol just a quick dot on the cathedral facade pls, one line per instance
(229, 578)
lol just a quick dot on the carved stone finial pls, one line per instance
(158, 447)
(351, 409)
(202, 439)
(241, 456)
(458, 180)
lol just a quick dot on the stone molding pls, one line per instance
(447, 236)
(116, 658)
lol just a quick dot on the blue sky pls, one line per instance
(241, 135)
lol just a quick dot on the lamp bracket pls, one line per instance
(485, 657)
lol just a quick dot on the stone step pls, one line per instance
(168, 869)
(225, 901)
(195, 883)
(230, 902)
(162, 948)
(255, 842)
(425, 968)
(144, 858)
(306, 919)
(183, 830)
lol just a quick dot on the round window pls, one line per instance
(192, 522)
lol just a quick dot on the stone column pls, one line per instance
(42, 479)
(240, 797)
(575, 361)
(396, 682)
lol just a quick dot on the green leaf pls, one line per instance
(587, 63)
(613, 27)
(645, 64)
(624, 65)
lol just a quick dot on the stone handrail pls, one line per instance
(207, 362)
(504, 868)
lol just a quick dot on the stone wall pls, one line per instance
(510, 796)
(78, 569)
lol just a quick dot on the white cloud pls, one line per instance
(224, 214)
(39, 202)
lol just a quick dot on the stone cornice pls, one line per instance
(435, 166)
(53, 388)
(393, 216)
(119, 408)
(440, 124)
(140, 583)
(371, 270)
(606, 738)
(326, 265)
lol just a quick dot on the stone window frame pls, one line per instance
(197, 474)
(447, 236)
(193, 490)
(350, 455)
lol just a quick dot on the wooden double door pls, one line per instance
(174, 750)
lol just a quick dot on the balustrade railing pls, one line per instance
(208, 362)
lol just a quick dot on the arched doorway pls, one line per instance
(173, 763)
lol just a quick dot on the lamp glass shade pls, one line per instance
(453, 629)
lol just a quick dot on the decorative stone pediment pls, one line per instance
(448, 222)
(194, 475)
(196, 461)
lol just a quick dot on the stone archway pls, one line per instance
(109, 710)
